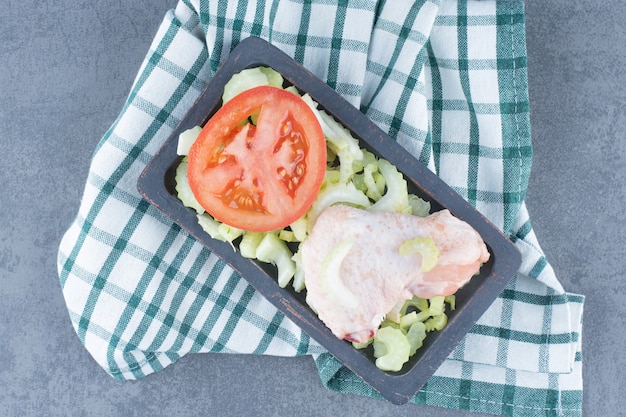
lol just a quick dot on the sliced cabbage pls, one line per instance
(427, 249)
(416, 335)
(391, 349)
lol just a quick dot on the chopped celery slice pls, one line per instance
(391, 349)
(367, 159)
(298, 277)
(186, 139)
(390, 323)
(359, 182)
(363, 345)
(416, 335)
(395, 313)
(333, 194)
(183, 191)
(211, 226)
(369, 177)
(426, 247)
(331, 176)
(228, 232)
(273, 250)
(436, 306)
(436, 322)
(287, 236)
(331, 157)
(331, 277)
(419, 303)
(250, 78)
(423, 315)
(339, 140)
(396, 198)
(451, 300)
(408, 319)
(218, 230)
(299, 228)
(292, 90)
(273, 77)
(249, 243)
(419, 207)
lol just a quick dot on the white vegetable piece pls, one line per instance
(250, 78)
(275, 251)
(396, 199)
(186, 139)
(339, 140)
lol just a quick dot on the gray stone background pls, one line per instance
(65, 70)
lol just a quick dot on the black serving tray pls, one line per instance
(156, 184)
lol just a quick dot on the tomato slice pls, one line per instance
(263, 176)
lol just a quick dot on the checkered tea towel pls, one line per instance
(446, 78)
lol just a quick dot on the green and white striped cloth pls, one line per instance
(446, 78)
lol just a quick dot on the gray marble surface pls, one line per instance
(65, 70)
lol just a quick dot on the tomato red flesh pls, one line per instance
(259, 177)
